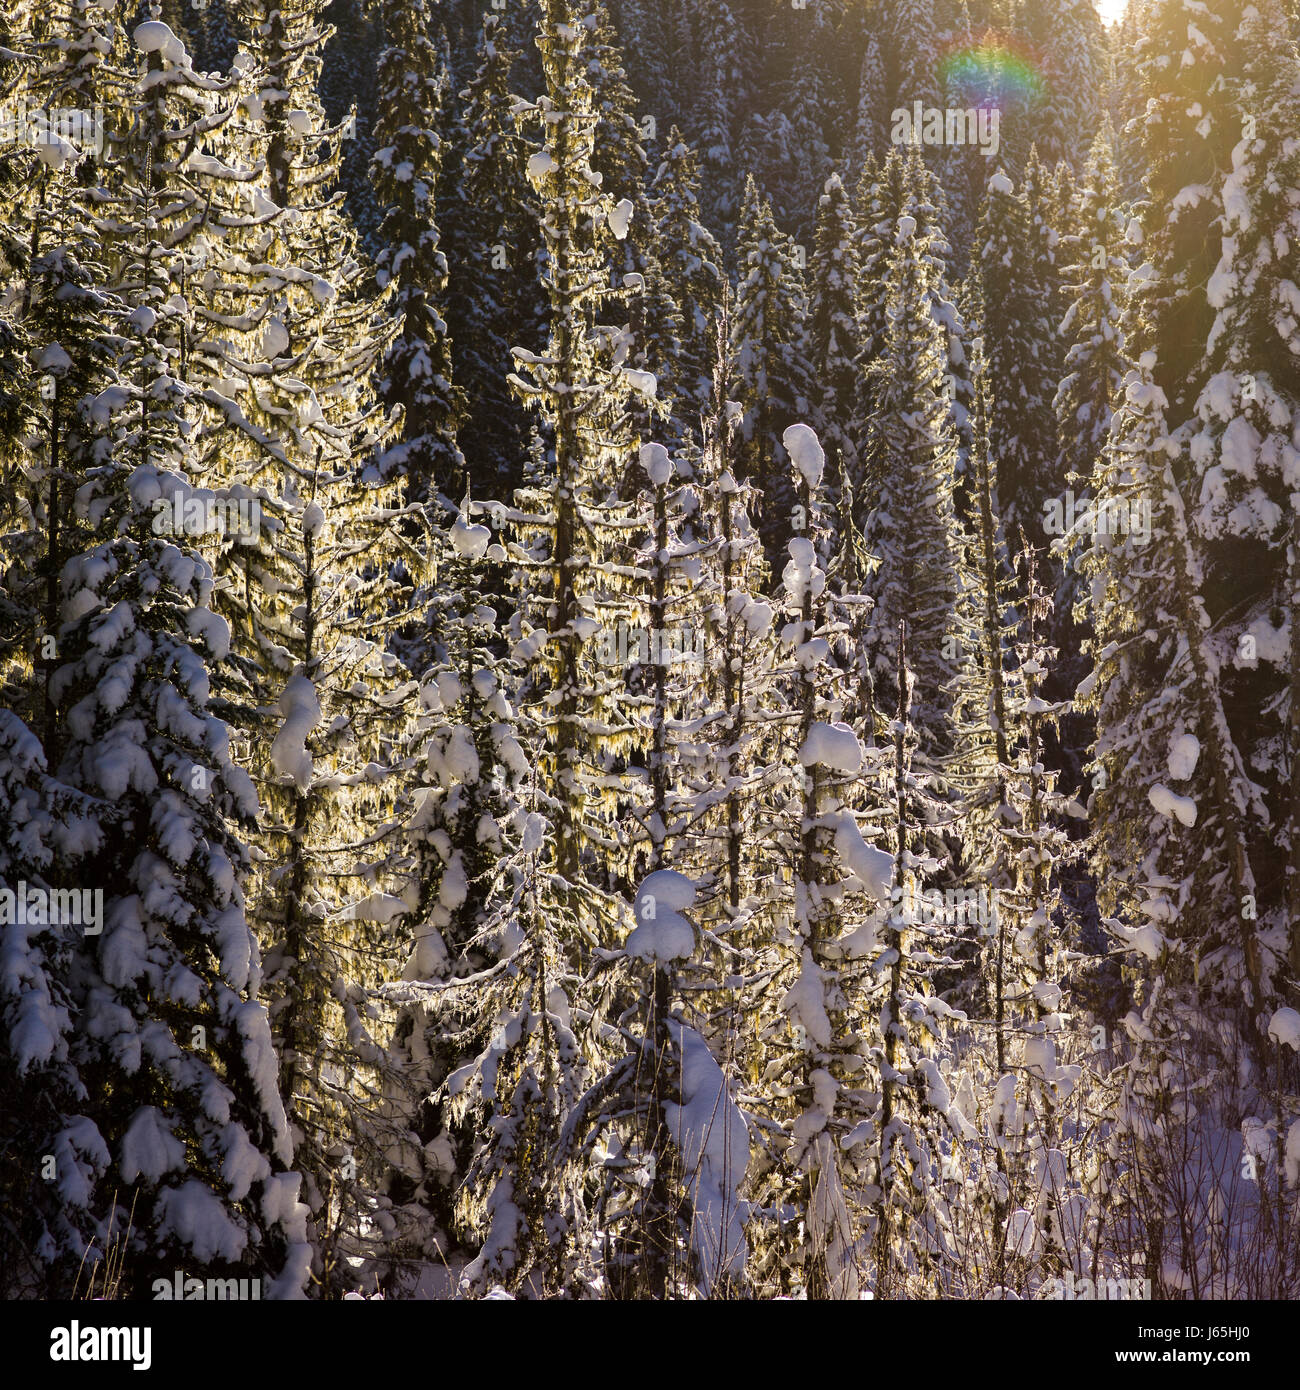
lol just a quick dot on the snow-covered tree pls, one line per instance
(55, 1155)
(911, 525)
(690, 261)
(715, 123)
(312, 596)
(833, 345)
(564, 529)
(871, 124)
(405, 170)
(1010, 306)
(177, 1045)
(490, 230)
(771, 375)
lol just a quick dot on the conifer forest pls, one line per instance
(649, 649)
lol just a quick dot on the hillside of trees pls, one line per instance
(648, 648)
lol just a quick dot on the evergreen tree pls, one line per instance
(771, 381)
(1245, 415)
(180, 1049)
(1175, 442)
(560, 908)
(912, 1216)
(465, 835)
(1010, 309)
(690, 261)
(1095, 274)
(1065, 121)
(883, 196)
(822, 964)
(911, 527)
(666, 1099)
(493, 299)
(405, 171)
(912, 30)
(833, 330)
(716, 124)
(1156, 680)
(879, 200)
(871, 124)
(312, 602)
(55, 1215)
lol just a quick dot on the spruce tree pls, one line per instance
(312, 601)
(911, 527)
(1009, 306)
(833, 330)
(1095, 274)
(177, 1042)
(493, 299)
(690, 261)
(57, 1214)
(561, 549)
(771, 381)
(405, 170)
(715, 126)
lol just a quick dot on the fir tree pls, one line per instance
(493, 299)
(690, 261)
(53, 1226)
(911, 528)
(182, 1048)
(312, 600)
(833, 329)
(771, 373)
(572, 723)
(871, 126)
(1095, 275)
(716, 125)
(1010, 309)
(405, 171)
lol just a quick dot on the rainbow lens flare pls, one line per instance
(999, 70)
